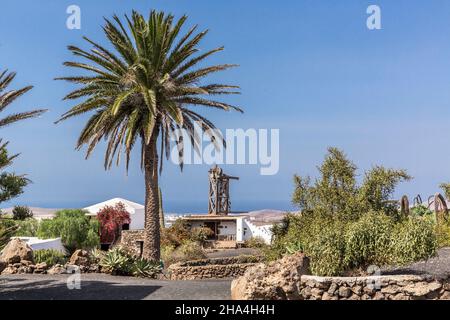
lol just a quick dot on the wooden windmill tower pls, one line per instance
(219, 192)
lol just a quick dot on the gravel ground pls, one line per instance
(438, 266)
(104, 287)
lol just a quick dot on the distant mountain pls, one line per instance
(38, 213)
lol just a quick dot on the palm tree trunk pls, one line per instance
(151, 250)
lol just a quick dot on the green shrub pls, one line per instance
(27, 228)
(413, 240)
(22, 213)
(368, 240)
(189, 250)
(76, 229)
(49, 256)
(421, 211)
(6, 232)
(326, 248)
(200, 234)
(255, 242)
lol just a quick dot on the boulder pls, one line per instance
(56, 269)
(276, 281)
(3, 265)
(80, 258)
(41, 266)
(9, 270)
(15, 251)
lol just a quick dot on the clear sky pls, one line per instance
(309, 68)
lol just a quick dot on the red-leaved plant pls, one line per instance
(112, 218)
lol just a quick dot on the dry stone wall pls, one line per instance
(218, 268)
(289, 279)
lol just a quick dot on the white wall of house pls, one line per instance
(41, 244)
(253, 231)
(136, 211)
(137, 219)
(227, 228)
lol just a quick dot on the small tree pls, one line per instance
(112, 218)
(336, 192)
(76, 229)
(11, 185)
(22, 213)
(378, 187)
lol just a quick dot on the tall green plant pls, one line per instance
(76, 229)
(143, 90)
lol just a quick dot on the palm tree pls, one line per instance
(11, 185)
(142, 90)
(6, 98)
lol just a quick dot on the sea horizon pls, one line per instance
(170, 207)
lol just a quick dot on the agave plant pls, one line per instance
(145, 268)
(116, 261)
(144, 90)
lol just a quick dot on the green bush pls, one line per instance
(413, 240)
(368, 240)
(22, 213)
(326, 248)
(76, 229)
(49, 256)
(335, 246)
(421, 211)
(189, 250)
(6, 232)
(255, 242)
(27, 228)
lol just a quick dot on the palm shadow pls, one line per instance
(58, 290)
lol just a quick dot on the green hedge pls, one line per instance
(335, 247)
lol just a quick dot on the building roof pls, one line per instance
(130, 206)
(210, 217)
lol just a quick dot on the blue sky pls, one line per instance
(309, 68)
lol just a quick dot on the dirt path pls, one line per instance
(104, 287)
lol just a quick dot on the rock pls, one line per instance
(421, 289)
(357, 290)
(56, 269)
(26, 263)
(9, 270)
(278, 280)
(3, 265)
(80, 258)
(332, 289)
(15, 251)
(445, 296)
(41, 266)
(400, 296)
(378, 296)
(344, 292)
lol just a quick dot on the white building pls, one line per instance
(230, 230)
(136, 210)
(43, 244)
